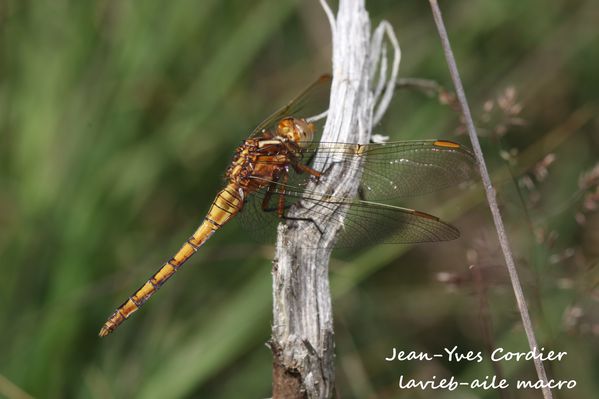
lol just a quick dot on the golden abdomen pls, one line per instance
(226, 204)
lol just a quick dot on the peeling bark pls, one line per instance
(302, 340)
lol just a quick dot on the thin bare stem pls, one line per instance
(491, 195)
(486, 323)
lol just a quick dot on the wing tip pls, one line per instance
(452, 145)
(454, 233)
(426, 215)
(447, 144)
(451, 233)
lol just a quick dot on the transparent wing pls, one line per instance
(365, 223)
(312, 101)
(403, 169)
(396, 169)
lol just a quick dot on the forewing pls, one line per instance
(314, 100)
(400, 169)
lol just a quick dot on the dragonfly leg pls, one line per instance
(270, 190)
(266, 207)
(281, 191)
(301, 168)
(268, 197)
(277, 185)
(281, 207)
(304, 220)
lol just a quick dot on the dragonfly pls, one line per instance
(277, 167)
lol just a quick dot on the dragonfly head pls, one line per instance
(296, 130)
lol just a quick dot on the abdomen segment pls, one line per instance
(226, 204)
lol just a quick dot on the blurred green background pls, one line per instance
(118, 119)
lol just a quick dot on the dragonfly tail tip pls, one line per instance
(104, 331)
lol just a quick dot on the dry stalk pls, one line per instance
(302, 332)
(491, 195)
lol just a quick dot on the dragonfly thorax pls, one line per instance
(258, 162)
(295, 130)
